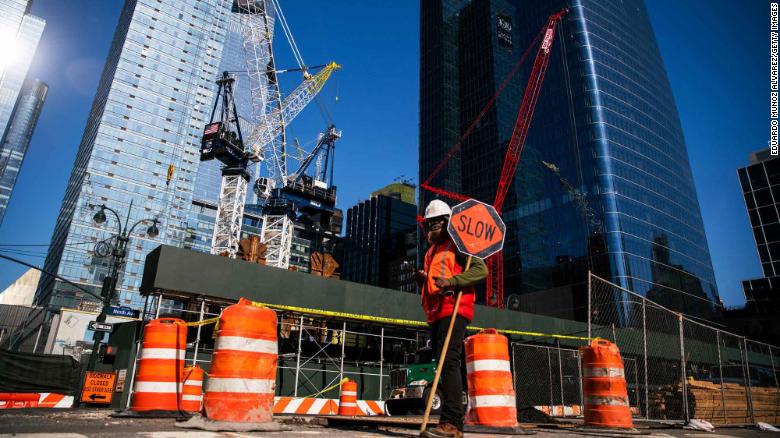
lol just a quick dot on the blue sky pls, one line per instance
(716, 54)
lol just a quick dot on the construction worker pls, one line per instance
(443, 276)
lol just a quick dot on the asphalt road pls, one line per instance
(78, 423)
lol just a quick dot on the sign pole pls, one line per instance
(442, 356)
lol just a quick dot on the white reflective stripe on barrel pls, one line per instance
(193, 383)
(161, 353)
(251, 345)
(161, 387)
(606, 400)
(487, 365)
(348, 404)
(352, 393)
(603, 372)
(491, 401)
(246, 386)
(187, 397)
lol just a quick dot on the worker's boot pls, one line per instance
(443, 430)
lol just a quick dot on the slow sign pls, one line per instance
(476, 228)
(98, 387)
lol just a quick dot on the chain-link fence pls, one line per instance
(685, 368)
(550, 379)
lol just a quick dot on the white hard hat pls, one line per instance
(437, 208)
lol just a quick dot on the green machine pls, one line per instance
(411, 385)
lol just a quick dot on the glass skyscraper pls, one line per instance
(616, 196)
(141, 145)
(20, 33)
(13, 144)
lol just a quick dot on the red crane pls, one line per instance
(495, 280)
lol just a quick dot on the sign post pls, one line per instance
(477, 230)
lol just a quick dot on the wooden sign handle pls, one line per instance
(442, 356)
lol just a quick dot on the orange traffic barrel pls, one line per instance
(604, 386)
(192, 390)
(491, 391)
(242, 379)
(348, 400)
(160, 366)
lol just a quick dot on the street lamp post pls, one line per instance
(118, 251)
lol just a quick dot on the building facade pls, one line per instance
(17, 136)
(20, 33)
(760, 182)
(616, 196)
(141, 145)
(380, 241)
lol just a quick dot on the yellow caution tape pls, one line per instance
(202, 322)
(405, 322)
(327, 389)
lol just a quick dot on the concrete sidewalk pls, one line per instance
(78, 423)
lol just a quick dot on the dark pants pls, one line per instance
(451, 382)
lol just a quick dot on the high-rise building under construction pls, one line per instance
(604, 182)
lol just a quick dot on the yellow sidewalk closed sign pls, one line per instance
(98, 387)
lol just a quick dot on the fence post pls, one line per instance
(682, 369)
(590, 304)
(549, 372)
(159, 304)
(381, 361)
(748, 388)
(343, 343)
(560, 375)
(298, 359)
(722, 388)
(197, 336)
(644, 346)
(579, 377)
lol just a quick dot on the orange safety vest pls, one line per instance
(441, 261)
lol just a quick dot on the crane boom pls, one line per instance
(292, 105)
(266, 141)
(495, 279)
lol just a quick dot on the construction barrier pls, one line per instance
(15, 400)
(160, 367)
(324, 406)
(348, 399)
(242, 379)
(604, 386)
(491, 392)
(560, 411)
(192, 389)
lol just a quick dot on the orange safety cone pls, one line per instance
(192, 391)
(161, 366)
(348, 400)
(242, 379)
(489, 376)
(604, 386)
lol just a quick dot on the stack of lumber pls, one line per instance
(706, 402)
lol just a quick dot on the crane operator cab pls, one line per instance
(220, 143)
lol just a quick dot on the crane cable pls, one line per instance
(290, 39)
(456, 147)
